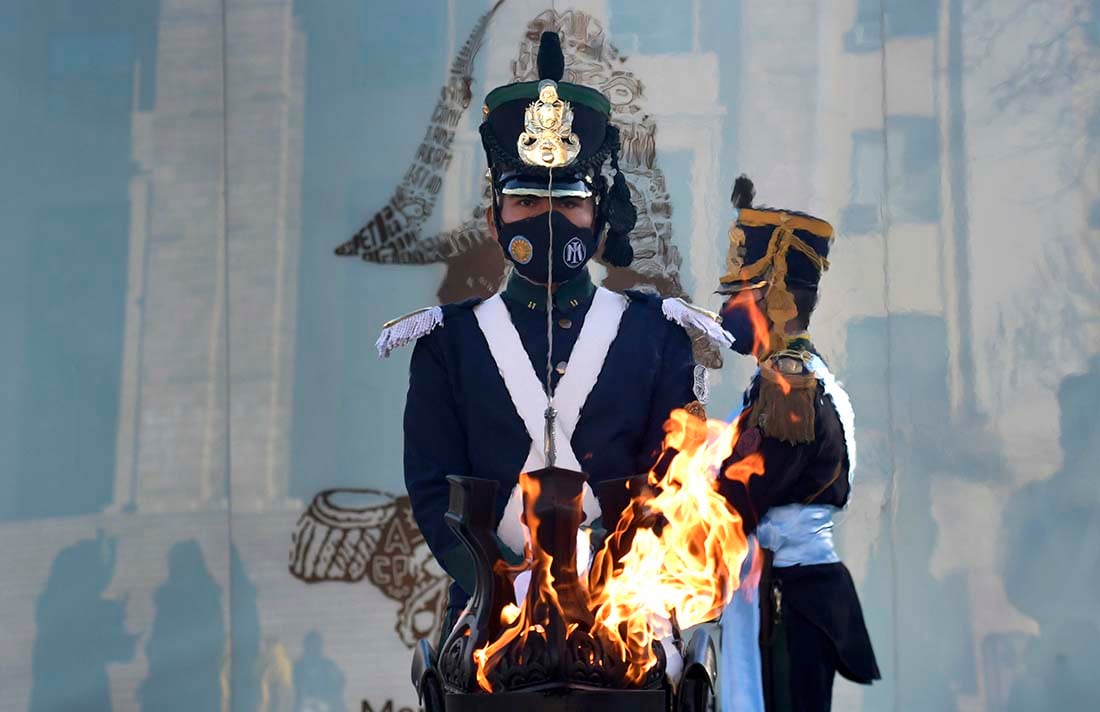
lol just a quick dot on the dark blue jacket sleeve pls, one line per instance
(673, 388)
(435, 447)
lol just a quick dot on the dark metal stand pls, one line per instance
(568, 666)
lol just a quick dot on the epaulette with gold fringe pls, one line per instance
(784, 408)
(400, 331)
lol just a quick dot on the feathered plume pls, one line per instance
(743, 192)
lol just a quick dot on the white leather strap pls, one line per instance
(600, 327)
(843, 404)
(522, 383)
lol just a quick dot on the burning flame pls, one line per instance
(688, 570)
(746, 300)
(509, 614)
(682, 566)
(541, 610)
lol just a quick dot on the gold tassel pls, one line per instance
(696, 409)
(784, 408)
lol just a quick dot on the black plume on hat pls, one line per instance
(551, 61)
(743, 192)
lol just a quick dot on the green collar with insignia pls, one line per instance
(801, 342)
(567, 296)
(797, 346)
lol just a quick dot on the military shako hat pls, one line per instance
(771, 246)
(552, 137)
(782, 251)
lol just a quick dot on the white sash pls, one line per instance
(600, 327)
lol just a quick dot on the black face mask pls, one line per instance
(737, 321)
(527, 242)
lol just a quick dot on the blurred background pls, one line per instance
(186, 363)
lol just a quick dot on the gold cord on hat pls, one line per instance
(778, 302)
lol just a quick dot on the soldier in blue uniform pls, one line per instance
(484, 373)
(799, 419)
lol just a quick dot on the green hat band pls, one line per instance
(573, 93)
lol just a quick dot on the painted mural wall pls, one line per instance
(188, 363)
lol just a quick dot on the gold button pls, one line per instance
(560, 368)
(565, 323)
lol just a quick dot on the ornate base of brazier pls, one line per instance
(569, 700)
(566, 666)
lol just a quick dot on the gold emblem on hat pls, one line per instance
(548, 140)
(735, 255)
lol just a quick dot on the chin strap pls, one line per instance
(551, 414)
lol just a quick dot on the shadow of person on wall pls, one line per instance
(79, 632)
(186, 647)
(318, 682)
(1051, 561)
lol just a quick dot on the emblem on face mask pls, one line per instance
(520, 249)
(548, 139)
(574, 253)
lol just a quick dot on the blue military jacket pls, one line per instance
(460, 419)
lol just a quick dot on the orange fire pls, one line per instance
(682, 566)
(541, 612)
(761, 335)
(746, 300)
